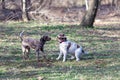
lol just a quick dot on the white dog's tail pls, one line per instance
(84, 52)
(21, 35)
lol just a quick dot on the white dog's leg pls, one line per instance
(60, 55)
(78, 52)
(77, 57)
(64, 56)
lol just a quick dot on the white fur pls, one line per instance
(76, 52)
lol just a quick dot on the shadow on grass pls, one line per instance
(100, 69)
(15, 74)
(110, 29)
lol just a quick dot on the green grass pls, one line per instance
(102, 62)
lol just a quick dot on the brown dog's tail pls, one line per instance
(21, 35)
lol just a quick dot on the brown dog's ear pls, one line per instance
(42, 38)
(45, 38)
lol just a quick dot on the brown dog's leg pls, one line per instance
(43, 55)
(23, 52)
(27, 52)
(37, 54)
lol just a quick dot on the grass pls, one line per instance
(102, 62)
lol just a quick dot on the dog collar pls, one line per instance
(61, 41)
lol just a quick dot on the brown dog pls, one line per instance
(37, 45)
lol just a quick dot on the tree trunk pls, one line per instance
(113, 2)
(3, 4)
(28, 7)
(24, 10)
(86, 3)
(89, 17)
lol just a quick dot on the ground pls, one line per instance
(101, 42)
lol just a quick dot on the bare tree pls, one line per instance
(39, 10)
(90, 15)
(25, 5)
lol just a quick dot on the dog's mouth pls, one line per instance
(60, 41)
(48, 39)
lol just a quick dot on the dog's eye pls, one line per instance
(45, 37)
(59, 38)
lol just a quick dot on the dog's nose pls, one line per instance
(49, 38)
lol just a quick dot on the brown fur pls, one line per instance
(37, 45)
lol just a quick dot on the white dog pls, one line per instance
(67, 47)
